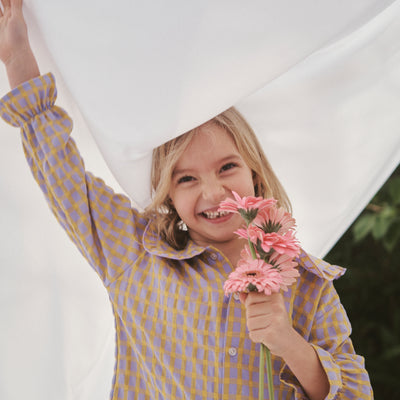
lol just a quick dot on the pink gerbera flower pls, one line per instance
(275, 219)
(252, 232)
(246, 253)
(247, 206)
(253, 275)
(286, 267)
(282, 244)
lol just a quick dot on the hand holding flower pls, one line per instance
(268, 321)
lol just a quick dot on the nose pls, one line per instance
(213, 191)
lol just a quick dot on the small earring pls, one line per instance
(182, 226)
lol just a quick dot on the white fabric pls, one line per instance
(319, 82)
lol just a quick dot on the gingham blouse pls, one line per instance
(177, 335)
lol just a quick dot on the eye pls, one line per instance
(186, 178)
(228, 166)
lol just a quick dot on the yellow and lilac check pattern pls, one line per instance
(177, 335)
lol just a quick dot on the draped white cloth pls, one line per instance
(319, 81)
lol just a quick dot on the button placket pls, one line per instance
(233, 341)
(232, 350)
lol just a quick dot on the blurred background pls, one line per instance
(369, 290)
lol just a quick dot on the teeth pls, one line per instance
(215, 214)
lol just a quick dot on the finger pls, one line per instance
(6, 3)
(258, 309)
(242, 297)
(255, 297)
(257, 336)
(257, 323)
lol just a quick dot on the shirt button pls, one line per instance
(236, 296)
(213, 256)
(232, 351)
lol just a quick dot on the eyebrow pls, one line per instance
(231, 157)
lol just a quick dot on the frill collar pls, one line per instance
(320, 267)
(155, 245)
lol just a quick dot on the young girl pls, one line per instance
(177, 335)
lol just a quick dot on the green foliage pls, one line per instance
(382, 216)
(370, 289)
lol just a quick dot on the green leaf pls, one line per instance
(394, 189)
(383, 221)
(392, 237)
(363, 226)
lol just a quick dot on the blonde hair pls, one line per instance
(166, 156)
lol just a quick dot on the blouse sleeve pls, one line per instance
(102, 224)
(330, 338)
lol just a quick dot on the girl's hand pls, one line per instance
(15, 50)
(13, 31)
(268, 321)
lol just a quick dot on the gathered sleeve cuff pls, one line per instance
(29, 99)
(346, 375)
(287, 376)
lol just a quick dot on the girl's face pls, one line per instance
(207, 172)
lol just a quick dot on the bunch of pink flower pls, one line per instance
(266, 263)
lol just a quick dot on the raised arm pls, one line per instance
(102, 224)
(15, 50)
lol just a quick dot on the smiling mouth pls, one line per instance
(214, 214)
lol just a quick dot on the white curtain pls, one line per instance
(319, 81)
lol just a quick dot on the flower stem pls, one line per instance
(252, 250)
(269, 372)
(264, 353)
(261, 374)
